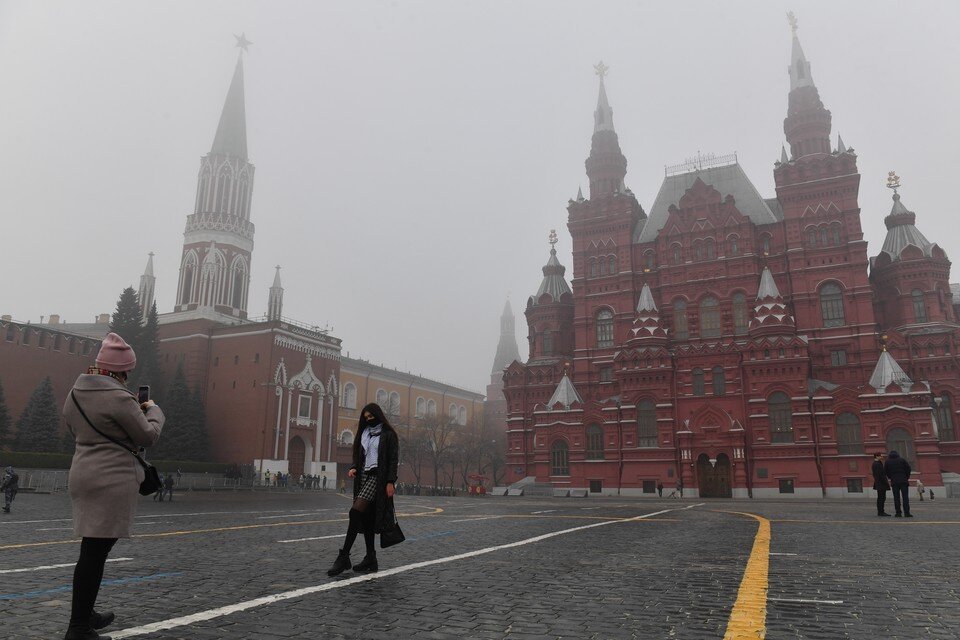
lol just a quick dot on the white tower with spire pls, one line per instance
(275, 303)
(148, 283)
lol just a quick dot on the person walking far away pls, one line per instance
(158, 494)
(324, 483)
(920, 489)
(167, 488)
(376, 451)
(104, 476)
(880, 484)
(898, 470)
(660, 488)
(9, 485)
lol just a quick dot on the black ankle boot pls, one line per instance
(341, 564)
(83, 633)
(101, 620)
(368, 564)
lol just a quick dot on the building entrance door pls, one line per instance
(714, 480)
(295, 457)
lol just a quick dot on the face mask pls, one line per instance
(371, 421)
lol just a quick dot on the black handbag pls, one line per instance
(151, 477)
(393, 535)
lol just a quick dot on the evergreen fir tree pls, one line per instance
(5, 419)
(148, 356)
(38, 428)
(126, 321)
(175, 440)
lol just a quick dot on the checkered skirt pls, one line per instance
(368, 487)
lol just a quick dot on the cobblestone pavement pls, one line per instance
(546, 568)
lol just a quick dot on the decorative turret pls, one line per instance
(148, 283)
(770, 315)
(606, 165)
(275, 302)
(888, 372)
(550, 312)
(901, 227)
(647, 325)
(565, 395)
(507, 350)
(807, 125)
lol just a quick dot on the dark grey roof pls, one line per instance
(902, 232)
(231, 138)
(728, 180)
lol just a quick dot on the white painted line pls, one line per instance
(56, 566)
(547, 511)
(782, 554)
(477, 519)
(35, 521)
(590, 508)
(57, 529)
(219, 612)
(805, 601)
(339, 535)
(147, 524)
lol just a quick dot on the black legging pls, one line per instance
(87, 577)
(361, 519)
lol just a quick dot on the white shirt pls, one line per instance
(371, 449)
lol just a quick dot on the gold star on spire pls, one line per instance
(601, 69)
(242, 41)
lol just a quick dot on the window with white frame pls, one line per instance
(421, 407)
(349, 396)
(303, 407)
(394, 404)
(382, 397)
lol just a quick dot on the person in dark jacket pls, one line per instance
(880, 484)
(898, 470)
(376, 452)
(9, 485)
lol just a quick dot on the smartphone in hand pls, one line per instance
(143, 393)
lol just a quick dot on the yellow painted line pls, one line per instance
(590, 518)
(749, 616)
(883, 521)
(241, 527)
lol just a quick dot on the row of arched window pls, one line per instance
(390, 403)
(223, 193)
(703, 249)
(27, 334)
(215, 284)
(824, 235)
(601, 266)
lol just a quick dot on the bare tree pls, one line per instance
(413, 448)
(440, 431)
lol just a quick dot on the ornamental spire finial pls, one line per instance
(242, 41)
(553, 239)
(893, 182)
(601, 70)
(794, 23)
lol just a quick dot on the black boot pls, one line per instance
(368, 564)
(341, 564)
(83, 633)
(101, 620)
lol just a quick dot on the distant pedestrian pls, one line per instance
(343, 485)
(10, 485)
(680, 487)
(920, 489)
(324, 483)
(168, 487)
(660, 489)
(179, 476)
(158, 494)
(880, 484)
(898, 471)
(376, 452)
(108, 425)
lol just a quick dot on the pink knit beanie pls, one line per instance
(116, 355)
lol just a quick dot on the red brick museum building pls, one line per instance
(743, 345)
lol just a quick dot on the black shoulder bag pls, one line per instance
(151, 480)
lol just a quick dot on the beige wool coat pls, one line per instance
(104, 478)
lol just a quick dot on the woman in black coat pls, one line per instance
(376, 451)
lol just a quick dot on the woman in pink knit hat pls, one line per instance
(104, 476)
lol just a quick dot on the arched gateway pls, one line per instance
(714, 479)
(296, 456)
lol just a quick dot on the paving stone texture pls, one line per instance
(835, 570)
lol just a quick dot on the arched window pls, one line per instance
(680, 320)
(452, 411)
(824, 237)
(831, 305)
(675, 254)
(603, 266)
(812, 236)
(243, 203)
(224, 186)
(709, 249)
(849, 435)
(350, 396)
(382, 398)
(719, 384)
(189, 271)
(781, 418)
(394, 408)
(740, 320)
(649, 259)
(944, 412)
(431, 407)
(765, 244)
(546, 339)
(835, 232)
(593, 268)
(919, 308)
(900, 440)
(709, 318)
(734, 246)
(594, 442)
(345, 438)
(698, 251)
(613, 265)
(605, 328)
(646, 424)
(421, 407)
(560, 459)
(697, 375)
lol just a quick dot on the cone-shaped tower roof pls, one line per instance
(647, 323)
(507, 350)
(553, 282)
(888, 371)
(902, 231)
(770, 315)
(799, 66)
(231, 138)
(148, 271)
(276, 278)
(603, 116)
(566, 394)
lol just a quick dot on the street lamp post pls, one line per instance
(619, 445)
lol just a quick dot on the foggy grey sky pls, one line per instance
(411, 157)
